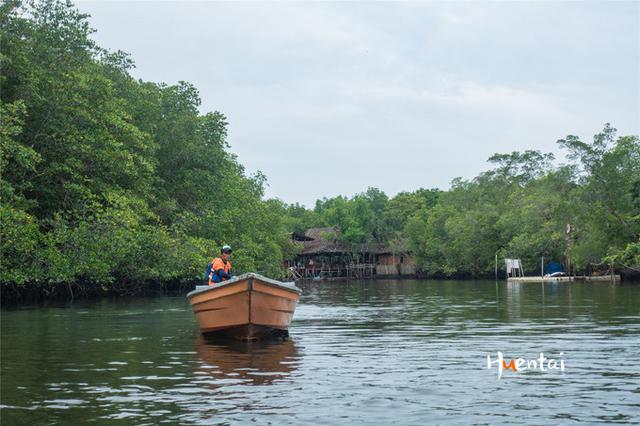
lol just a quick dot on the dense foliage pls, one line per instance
(107, 178)
(520, 208)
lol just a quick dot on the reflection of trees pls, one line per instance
(514, 299)
(441, 301)
(257, 363)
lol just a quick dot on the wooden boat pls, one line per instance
(247, 307)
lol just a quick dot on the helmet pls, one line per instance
(226, 249)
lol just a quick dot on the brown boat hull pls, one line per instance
(248, 332)
(250, 307)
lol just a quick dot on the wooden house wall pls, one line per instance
(398, 264)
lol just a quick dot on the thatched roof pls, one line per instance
(324, 240)
(322, 233)
(297, 236)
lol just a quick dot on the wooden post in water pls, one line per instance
(611, 269)
(542, 276)
(496, 266)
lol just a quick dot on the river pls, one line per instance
(374, 352)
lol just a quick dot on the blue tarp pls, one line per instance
(553, 267)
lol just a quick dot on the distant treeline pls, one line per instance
(105, 178)
(521, 208)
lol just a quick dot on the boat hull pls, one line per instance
(248, 332)
(248, 307)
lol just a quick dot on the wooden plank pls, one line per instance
(600, 278)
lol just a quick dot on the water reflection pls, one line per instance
(253, 363)
(408, 352)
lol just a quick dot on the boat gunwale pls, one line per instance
(248, 276)
(244, 290)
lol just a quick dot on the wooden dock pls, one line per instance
(600, 279)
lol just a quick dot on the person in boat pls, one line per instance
(221, 266)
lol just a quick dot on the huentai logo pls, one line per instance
(541, 363)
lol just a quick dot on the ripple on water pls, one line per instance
(407, 352)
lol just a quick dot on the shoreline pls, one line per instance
(14, 295)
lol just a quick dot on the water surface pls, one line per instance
(407, 352)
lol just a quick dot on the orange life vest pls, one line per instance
(217, 264)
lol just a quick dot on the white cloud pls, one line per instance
(329, 98)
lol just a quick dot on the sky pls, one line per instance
(329, 98)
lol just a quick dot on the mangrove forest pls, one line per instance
(108, 179)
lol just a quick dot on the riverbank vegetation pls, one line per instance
(105, 179)
(586, 211)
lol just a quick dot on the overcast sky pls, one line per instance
(330, 98)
